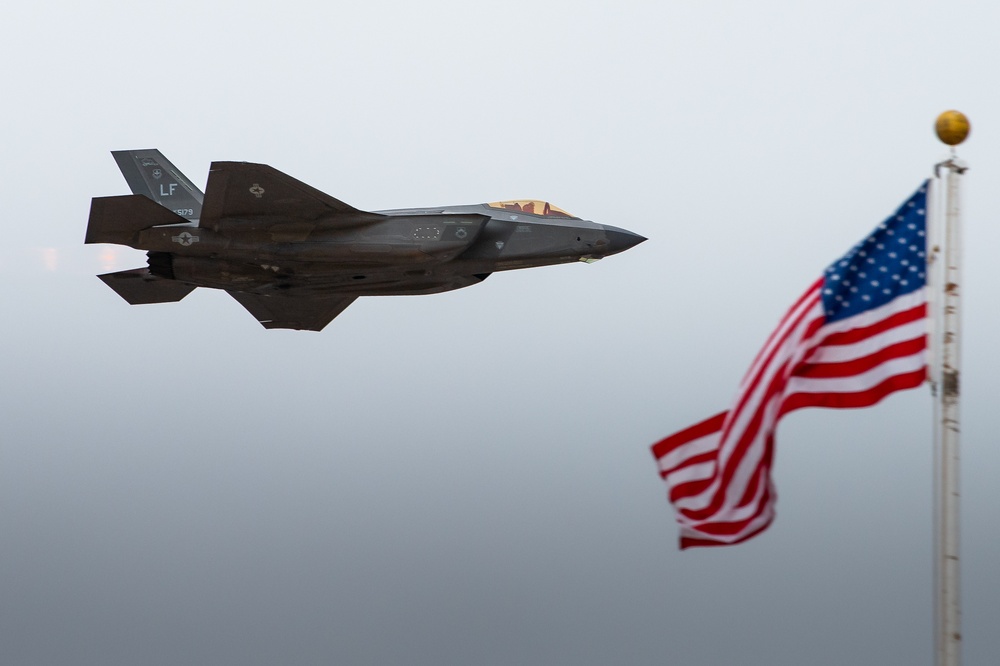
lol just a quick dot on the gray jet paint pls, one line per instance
(296, 257)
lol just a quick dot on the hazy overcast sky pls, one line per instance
(465, 478)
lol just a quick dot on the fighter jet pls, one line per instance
(296, 257)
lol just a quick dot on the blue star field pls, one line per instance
(889, 263)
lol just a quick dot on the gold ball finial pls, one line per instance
(952, 127)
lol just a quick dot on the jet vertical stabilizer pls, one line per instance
(149, 173)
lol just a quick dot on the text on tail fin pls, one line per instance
(149, 173)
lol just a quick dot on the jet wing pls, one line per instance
(256, 191)
(301, 313)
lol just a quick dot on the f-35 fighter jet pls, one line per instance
(296, 257)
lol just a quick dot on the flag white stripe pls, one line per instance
(786, 347)
(750, 463)
(691, 531)
(689, 450)
(697, 472)
(793, 348)
(778, 336)
(857, 383)
(868, 346)
(875, 315)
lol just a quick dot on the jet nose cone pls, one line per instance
(620, 240)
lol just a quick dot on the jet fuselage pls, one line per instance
(410, 251)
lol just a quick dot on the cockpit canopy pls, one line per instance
(531, 206)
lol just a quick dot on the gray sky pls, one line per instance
(464, 478)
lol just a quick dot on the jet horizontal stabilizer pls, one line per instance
(139, 287)
(120, 219)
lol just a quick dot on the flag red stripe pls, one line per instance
(748, 389)
(707, 456)
(747, 436)
(863, 364)
(814, 289)
(732, 528)
(855, 400)
(889, 323)
(689, 488)
(692, 542)
(697, 431)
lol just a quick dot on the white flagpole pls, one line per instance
(952, 128)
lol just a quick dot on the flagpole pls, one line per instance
(952, 128)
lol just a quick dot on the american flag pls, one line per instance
(855, 336)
